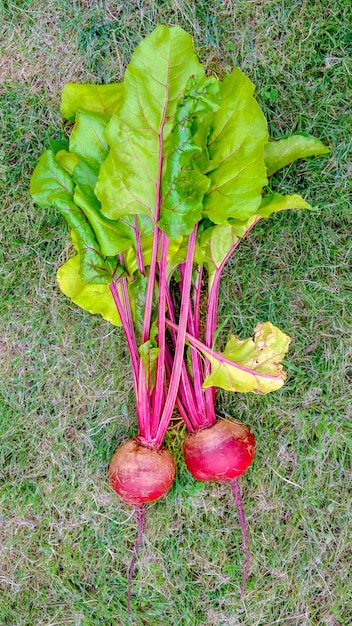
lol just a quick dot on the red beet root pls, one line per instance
(222, 452)
(139, 474)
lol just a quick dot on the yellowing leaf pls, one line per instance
(250, 365)
(92, 298)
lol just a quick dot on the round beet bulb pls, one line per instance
(139, 474)
(221, 452)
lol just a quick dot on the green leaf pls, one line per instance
(137, 289)
(103, 99)
(216, 242)
(298, 146)
(92, 298)
(236, 145)
(184, 185)
(177, 254)
(274, 202)
(51, 185)
(251, 365)
(154, 82)
(67, 160)
(149, 353)
(113, 236)
(56, 146)
(87, 139)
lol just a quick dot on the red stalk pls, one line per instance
(186, 388)
(196, 308)
(139, 253)
(129, 332)
(197, 370)
(181, 399)
(159, 389)
(180, 342)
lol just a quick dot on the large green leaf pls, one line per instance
(184, 185)
(236, 146)
(92, 298)
(104, 99)
(87, 139)
(298, 146)
(129, 180)
(52, 185)
(251, 365)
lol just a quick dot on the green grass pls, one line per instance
(65, 385)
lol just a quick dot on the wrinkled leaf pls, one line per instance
(154, 82)
(184, 185)
(236, 145)
(285, 151)
(92, 298)
(251, 365)
(103, 99)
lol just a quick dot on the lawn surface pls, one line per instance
(65, 386)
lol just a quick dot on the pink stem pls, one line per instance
(197, 369)
(140, 517)
(159, 389)
(180, 342)
(143, 393)
(186, 390)
(129, 332)
(150, 287)
(213, 295)
(197, 295)
(213, 299)
(139, 252)
(242, 518)
(181, 399)
(143, 406)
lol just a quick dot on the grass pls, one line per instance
(65, 383)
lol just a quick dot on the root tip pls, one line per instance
(242, 519)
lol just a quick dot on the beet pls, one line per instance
(221, 452)
(139, 474)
